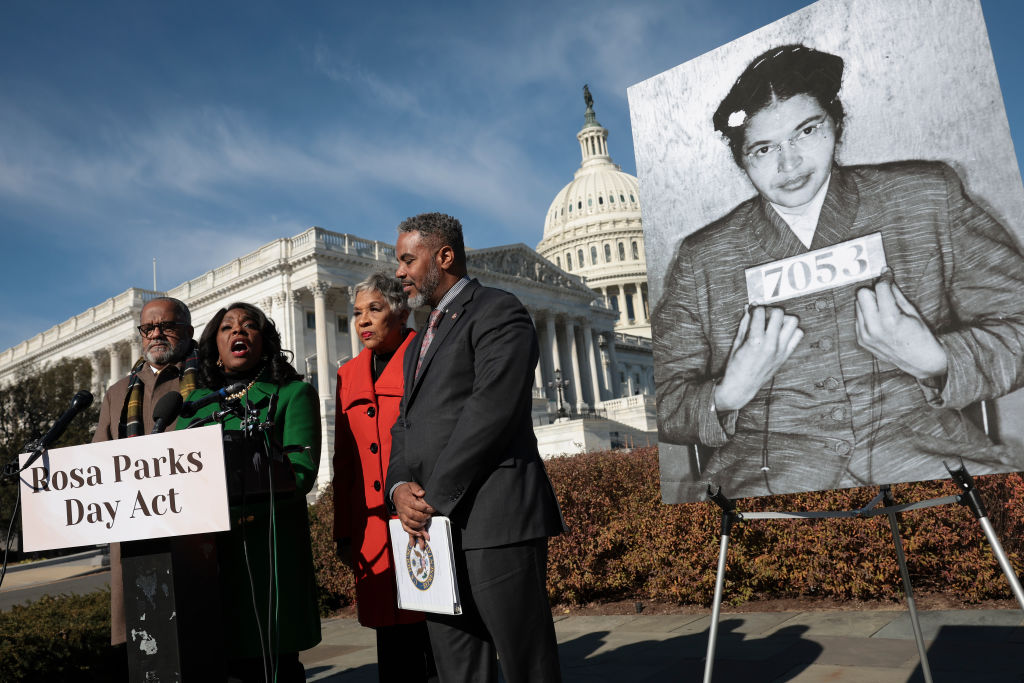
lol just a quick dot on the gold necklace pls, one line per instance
(243, 392)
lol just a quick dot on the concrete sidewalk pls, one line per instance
(969, 646)
(48, 571)
(867, 646)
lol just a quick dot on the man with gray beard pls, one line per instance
(167, 364)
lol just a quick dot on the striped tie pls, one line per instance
(428, 336)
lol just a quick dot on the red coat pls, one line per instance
(362, 449)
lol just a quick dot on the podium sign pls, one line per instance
(169, 484)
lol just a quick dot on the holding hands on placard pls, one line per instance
(887, 325)
(891, 328)
(765, 340)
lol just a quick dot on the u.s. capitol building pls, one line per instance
(586, 292)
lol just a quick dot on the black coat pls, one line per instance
(464, 431)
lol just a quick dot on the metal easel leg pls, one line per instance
(908, 588)
(970, 497)
(729, 516)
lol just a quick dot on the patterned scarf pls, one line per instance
(133, 403)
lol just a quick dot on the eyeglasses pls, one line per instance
(806, 139)
(168, 328)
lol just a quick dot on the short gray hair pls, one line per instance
(388, 287)
(181, 312)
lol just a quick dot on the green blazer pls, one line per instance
(296, 625)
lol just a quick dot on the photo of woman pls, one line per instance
(860, 380)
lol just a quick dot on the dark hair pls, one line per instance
(275, 360)
(779, 74)
(440, 230)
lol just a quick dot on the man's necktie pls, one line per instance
(428, 336)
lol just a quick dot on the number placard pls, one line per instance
(841, 264)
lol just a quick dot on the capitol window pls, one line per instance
(579, 204)
(590, 201)
(600, 200)
(622, 251)
(607, 253)
(623, 198)
(636, 252)
(558, 261)
(611, 199)
(568, 261)
(579, 258)
(593, 256)
(631, 199)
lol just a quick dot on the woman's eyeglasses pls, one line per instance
(806, 139)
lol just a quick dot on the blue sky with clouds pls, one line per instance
(211, 128)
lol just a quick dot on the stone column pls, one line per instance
(115, 363)
(98, 389)
(323, 359)
(577, 379)
(324, 380)
(620, 299)
(135, 348)
(297, 322)
(549, 325)
(331, 332)
(588, 354)
(538, 376)
(355, 346)
(613, 364)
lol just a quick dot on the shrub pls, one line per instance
(335, 583)
(623, 543)
(64, 638)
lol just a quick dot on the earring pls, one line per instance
(220, 363)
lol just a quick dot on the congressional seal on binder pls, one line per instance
(426, 576)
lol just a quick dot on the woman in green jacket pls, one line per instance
(268, 587)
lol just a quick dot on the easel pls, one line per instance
(881, 504)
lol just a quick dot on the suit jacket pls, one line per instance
(837, 416)
(464, 431)
(362, 450)
(155, 385)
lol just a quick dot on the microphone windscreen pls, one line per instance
(167, 408)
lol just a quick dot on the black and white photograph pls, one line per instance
(832, 217)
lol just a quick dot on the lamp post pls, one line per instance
(560, 385)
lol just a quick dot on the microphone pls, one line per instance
(166, 410)
(79, 402)
(192, 407)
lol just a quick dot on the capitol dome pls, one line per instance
(593, 229)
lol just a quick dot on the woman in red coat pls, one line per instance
(369, 391)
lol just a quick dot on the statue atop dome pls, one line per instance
(587, 97)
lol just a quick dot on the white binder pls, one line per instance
(426, 577)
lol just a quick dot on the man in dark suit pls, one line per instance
(463, 447)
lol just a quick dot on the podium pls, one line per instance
(172, 609)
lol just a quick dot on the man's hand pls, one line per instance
(892, 330)
(766, 338)
(413, 511)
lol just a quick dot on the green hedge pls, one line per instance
(624, 544)
(64, 638)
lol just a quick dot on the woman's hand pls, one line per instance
(766, 338)
(892, 330)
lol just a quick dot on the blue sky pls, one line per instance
(210, 128)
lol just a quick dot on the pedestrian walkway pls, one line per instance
(864, 646)
(873, 646)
